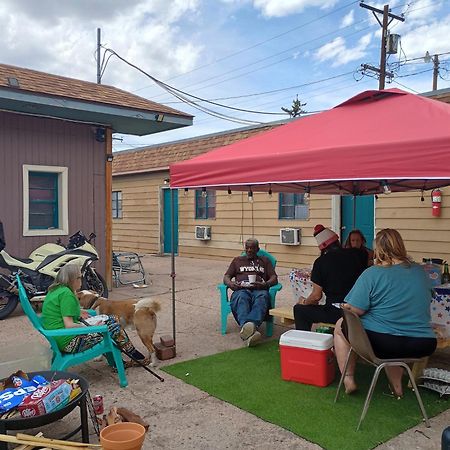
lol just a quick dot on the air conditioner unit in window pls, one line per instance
(203, 233)
(290, 236)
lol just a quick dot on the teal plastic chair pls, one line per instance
(62, 361)
(225, 307)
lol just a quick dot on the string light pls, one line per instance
(186, 190)
(386, 188)
(306, 196)
(229, 190)
(204, 193)
(250, 196)
(270, 191)
(422, 198)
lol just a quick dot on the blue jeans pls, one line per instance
(250, 306)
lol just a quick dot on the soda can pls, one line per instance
(97, 401)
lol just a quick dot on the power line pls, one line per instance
(276, 90)
(181, 95)
(258, 43)
(269, 57)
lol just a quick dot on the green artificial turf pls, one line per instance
(250, 379)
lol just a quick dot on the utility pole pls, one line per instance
(384, 36)
(99, 46)
(435, 71)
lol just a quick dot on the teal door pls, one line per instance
(358, 212)
(167, 229)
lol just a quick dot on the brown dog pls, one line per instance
(140, 313)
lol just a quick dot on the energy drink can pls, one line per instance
(97, 401)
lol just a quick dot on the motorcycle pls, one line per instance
(39, 270)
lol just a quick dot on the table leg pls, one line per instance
(84, 420)
(3, 445)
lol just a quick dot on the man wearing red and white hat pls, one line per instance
(334, 273)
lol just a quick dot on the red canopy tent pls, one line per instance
(355, 148)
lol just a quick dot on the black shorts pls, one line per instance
(388, 346)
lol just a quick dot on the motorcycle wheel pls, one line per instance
(93, 281)
(8, 303)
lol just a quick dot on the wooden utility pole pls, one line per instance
(384, 36)
(99, 65)
(108, 207)
(435, 71)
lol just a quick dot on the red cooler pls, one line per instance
(306, 357)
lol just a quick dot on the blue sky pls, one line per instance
(228, 48)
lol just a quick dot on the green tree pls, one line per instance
(296, 109)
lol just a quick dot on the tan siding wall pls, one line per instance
(138, 230)
(235, 222)
(424, 235)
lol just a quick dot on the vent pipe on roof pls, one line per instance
(13, 82)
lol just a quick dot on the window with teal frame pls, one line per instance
(292, 206)
(205, 204)
(43, 211)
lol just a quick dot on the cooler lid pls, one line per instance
(307, 339)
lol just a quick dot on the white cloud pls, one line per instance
(277, 8)
(348, 19)
(432, 37)
(61, 37)
(337, 51)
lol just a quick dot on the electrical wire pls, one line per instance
(182, 95)
(269, 57)
(258, 43)
(276, 90)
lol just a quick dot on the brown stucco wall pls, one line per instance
(42, 141)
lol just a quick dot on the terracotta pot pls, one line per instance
(122, 436)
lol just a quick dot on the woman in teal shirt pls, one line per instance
(393, 299)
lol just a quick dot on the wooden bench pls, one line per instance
(286, 316)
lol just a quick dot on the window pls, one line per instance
(45, 200)
(293, 206)
(205, 204)
(117, 204)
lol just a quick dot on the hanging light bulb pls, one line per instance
(229, 191)
(306, 196)
(270, 191)
(386, 188)
(186, 190)
(250, 196)
(204, 193)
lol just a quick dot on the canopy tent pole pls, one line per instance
(354, 212)
(172, 271)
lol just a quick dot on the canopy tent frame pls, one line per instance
(345, 161)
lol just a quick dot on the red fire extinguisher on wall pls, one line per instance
(436, 199)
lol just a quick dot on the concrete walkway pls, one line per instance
(181, 416)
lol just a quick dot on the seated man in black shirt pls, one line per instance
(334, 273)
